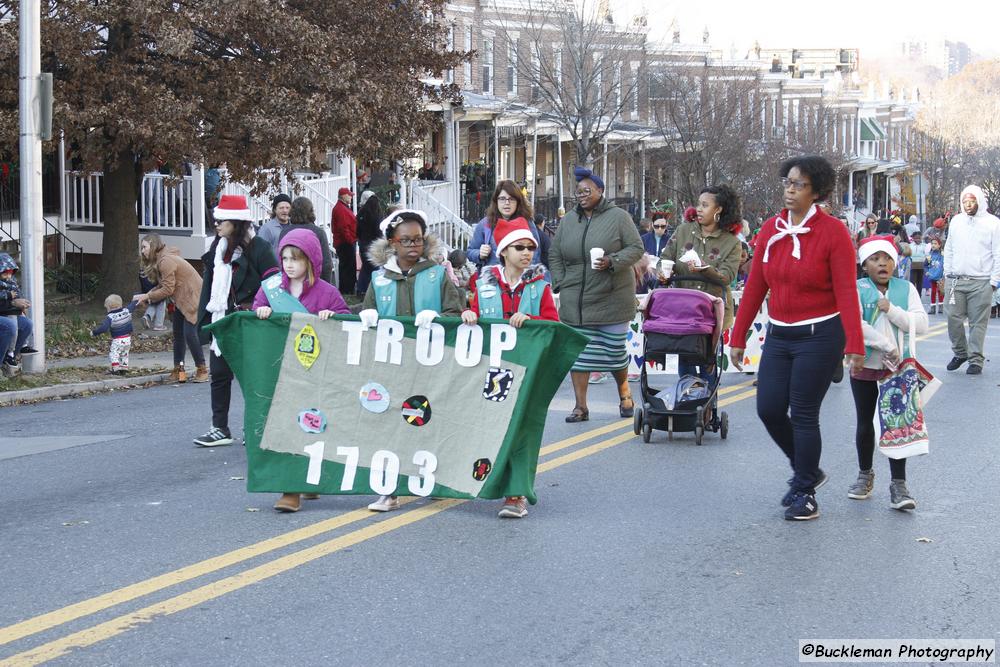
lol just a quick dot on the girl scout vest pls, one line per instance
(426, 291)
(279, 299)
(491, 301)
(898, 294)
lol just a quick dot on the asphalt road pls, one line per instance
(122, 544)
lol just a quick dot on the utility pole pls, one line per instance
(32, 224)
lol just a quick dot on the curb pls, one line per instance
(8, 398)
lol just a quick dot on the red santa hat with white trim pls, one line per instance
(232, 207)
(874, 244)
(508, 231)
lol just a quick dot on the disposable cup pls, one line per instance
(595, 254)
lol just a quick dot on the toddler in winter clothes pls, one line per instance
(298, 288)
(119, 324)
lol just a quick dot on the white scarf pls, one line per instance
(785, 228)
(222, 282)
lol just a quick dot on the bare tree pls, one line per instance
(579, 65)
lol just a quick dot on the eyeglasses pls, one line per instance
(583, 193)
(789, 184)
(408, 242)
(505, 200)
(522, 248)
(659, 226)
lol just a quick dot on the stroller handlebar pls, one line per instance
(693, 278)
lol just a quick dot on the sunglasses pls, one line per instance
(659, 226)
(522, 248)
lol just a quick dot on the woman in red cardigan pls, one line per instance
(805, 258)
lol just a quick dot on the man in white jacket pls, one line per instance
(972, 272)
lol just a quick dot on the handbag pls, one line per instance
(902, 395)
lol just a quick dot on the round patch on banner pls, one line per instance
(481, 468)
(498, 383)
(312, 421)
(416, 410)
(374, 397)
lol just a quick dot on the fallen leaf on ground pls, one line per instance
(235, 478)
(924, 539)
(253, 509)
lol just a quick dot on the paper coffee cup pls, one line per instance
(666, 267)
(595, 254)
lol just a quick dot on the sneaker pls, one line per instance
(216, 437)
(597, 378)
(956, 362)
(633, 377)
(862, 489)
(385, 504)
(27, 349)
(514, 507)
(899, 496)
(10, 370)
(786, 501)
(803, 507)
(974, 369)
(159, 328)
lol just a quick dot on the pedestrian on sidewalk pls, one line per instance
(369, 217)
(303, 216)
(176, 280)
(344, 226)
(299, 287)
(281, 211)
(515, 291)
(935, 274)
(235, 264)
(805, 259)
(972, 272)
(890, 309)
(119, 324)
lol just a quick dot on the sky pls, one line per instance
(874, 27)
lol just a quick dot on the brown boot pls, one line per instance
(288, 502)
(201, 374)
(178, 374)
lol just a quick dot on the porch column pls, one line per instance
(198, 201)
(642, 180)
(496, 152)
(559, 170)
(534, 165)
(449, 156)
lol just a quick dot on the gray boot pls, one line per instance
(899, 496)
(862, 489)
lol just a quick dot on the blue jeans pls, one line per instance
(14, 329)
(796, 370)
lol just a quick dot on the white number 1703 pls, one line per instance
(384, 469)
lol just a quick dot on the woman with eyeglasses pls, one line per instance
(804, 263)
(507, 203)
(592, 255)
(407, 283)
(868, 228)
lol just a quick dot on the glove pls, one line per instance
(369, 318)
(424, 318)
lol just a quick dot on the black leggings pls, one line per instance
(865, 402)
(186, 335)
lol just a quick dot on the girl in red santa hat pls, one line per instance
(515, 290)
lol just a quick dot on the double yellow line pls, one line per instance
(116, 626)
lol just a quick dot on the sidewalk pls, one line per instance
(157, 364)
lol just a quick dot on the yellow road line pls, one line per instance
(116, 626)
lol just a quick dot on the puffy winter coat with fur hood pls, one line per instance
(381, 255)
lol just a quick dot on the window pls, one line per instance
(449, 76)
(487, 60)
(512, 69)
(536, 73)
(598, 74)
(467, 66)
(617, 84)
(635, 91)
(557, 67)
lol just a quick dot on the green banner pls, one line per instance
(453, 411)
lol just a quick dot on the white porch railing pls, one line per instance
(164, 203)
(442, 221)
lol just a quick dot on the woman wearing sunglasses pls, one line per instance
(507, 203)
(516, 291)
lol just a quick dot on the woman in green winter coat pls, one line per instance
(591, 261)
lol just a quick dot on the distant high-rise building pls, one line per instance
(948, 57)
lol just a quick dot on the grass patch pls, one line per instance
(56, 376)
(68, 324)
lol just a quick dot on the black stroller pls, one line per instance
(687, 323)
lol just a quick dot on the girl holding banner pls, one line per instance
(298, 289)
(891, 307)
(515, 291)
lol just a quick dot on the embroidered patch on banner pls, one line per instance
(312, 421)
(481, 468)
(374, 397)
(307, 346)
(498, 383)
(417, 410)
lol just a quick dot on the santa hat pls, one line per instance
(508, 231)
(232, 207)
(874, 244)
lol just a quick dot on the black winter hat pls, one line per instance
(280, 198)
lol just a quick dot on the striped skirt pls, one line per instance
(605, 351)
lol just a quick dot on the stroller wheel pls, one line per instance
(724, 424)
(699, 433)
(637, 421)
(647, 432)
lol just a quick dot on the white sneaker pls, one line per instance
(597, 378)
(385, 504)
